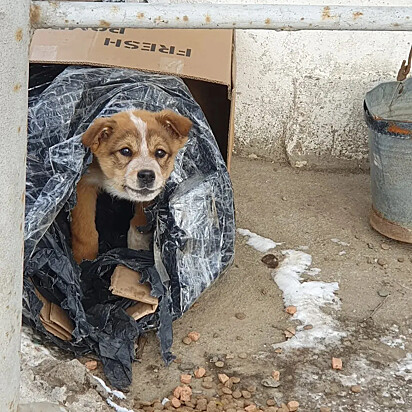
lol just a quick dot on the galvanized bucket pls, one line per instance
(388, 113)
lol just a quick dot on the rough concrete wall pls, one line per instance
(299, 95)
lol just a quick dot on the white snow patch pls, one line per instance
(364, 372)
(342, 252)
(111, 392)
(340, 242)
(118, 394)
(404, 367)
(117, 407)
(309, 298)
(394, 342)
(260, 243)
(312, 271)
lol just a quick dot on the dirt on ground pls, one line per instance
(246, 335)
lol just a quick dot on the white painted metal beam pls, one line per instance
(220, 16)
(14, 65)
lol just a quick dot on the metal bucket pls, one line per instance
(388, 113)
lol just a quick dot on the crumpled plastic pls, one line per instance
(192, 219)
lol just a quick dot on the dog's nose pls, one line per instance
(146, 177)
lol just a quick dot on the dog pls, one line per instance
(133, 156)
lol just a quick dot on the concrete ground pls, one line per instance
(242, 321)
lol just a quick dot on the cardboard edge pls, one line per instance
(81, 63)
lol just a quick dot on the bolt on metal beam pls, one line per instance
(220, 16)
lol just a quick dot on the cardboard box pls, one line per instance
(203, 58)
(54, 319)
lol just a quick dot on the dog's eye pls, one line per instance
(160, 153)
(125, 151)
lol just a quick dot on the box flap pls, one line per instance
(198, 54)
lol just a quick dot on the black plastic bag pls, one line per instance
(193, 219)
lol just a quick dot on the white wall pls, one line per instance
(299, 95)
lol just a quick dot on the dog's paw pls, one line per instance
(137, 240)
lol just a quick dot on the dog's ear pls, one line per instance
(99, 130)
(178, 126)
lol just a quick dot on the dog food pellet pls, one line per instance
(223, 377)
(283, 408)
(229, 384)
(246, 394)
(226, 391)
(230, 356)
(308, 327)
(382, 262)
(212, 406)
(91, 365)
(336, 363)
(385, 246)
(185, 379)
(293, 406)
(157, 406)
(207, 385)
(324, 409)
(278, 350)
(356, 388)
(200, 372)
(291, 310)
(186, 340)
(270, 402)
(186, 394)
(175, 402)
(201, 404)
(236, 394)
(235, 379)
(276, 375)
(242, 355)
(251, 388)
(240, 315)
(289, 332)
(271, 409)
(177, 392)
(194, 336)
(251, 408)
(219, 364)
(143, 404)
(271, 261)
(208, 379)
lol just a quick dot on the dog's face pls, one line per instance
(136, 151)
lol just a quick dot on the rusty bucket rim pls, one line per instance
(388, 228)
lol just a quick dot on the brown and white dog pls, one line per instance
(133, 156)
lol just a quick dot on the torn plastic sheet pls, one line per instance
(193, 218)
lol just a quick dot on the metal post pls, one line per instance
(221, 16)
(14, 41)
